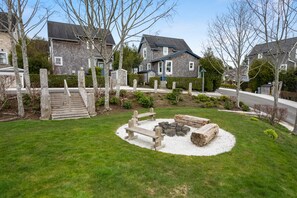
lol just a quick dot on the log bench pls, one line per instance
(192, 121)
(156, 135)
(205, 134)
(150, 114)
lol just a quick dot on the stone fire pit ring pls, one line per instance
(181, 145)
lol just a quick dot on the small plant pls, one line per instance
(127, 104)
(271, 133)
(254, 119)
(245, 108)
(175, 96)
(209, 104)
(223, 98)
(100, 102)
(146, 102)
(114, 100)
(203, 98)
(228, 105)
(138, 95)
(123, 93)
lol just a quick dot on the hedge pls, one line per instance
(138, 77)
(152, 80)
(183, 82)
(230, 86)
(58, 80)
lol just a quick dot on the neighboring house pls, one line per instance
(288, 53)
(70, 49)
(5, 45)
(168, 57)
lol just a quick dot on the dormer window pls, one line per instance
(260, 56)
(144, 53)
(165, 51)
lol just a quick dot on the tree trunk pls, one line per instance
(94, 75)
(238, 80)
(275, 95)
(106, 79)
(120, 67)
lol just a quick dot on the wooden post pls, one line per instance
(158, 141)
(190, 89)
(81, 78)
(156, 86)
(131, 124)
(45, 99)
(134, 85)
(153, 116)
(173, 85)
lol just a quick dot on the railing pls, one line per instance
(67, 95)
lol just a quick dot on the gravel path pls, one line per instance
(222, 143)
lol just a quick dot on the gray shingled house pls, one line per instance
(168, 57)
(69, 48)
(288, 54)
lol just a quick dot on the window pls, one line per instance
(283, 67)
(168, 67)
(58, 61)
(149, 66)
(140, 67)
(165, 51)
(160, 68)
(88, 45)
(144, 53)
(191, 66)
(3, 58)
(260, 56)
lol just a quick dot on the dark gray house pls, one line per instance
(70, 50)
(288, 53)
(168, 57)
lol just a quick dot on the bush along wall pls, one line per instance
(183, 82)
(58, 80)
(152, 80)
(138, 77)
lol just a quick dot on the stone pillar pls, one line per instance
(163, 84)
(156, 86)
(91, 104)
(190, 89)
(134, 85)
(81, 79)
(45, 99)
(173, 85)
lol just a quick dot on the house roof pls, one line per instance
(160, 41)
(66, 31)
(175, 55)
(286, 46)
(4, 21)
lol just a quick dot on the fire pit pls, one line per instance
(172, 129)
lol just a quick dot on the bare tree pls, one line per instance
(277, 21)
(11, 29)
(135, 17)
(232, 36)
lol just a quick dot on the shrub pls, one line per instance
(138, 77)
(271, 133)
(223, 98)
(229, 105)
(202, 98)
(114, 100)
(209, 104)
(123, 93)
(175, 96)
(254, 119)
(100, 102)
(32, 102)
(265, 111)
(152, 80)
(138, 95)
(229, 86)
(245, 108)
(183, 82)
(127, 104)
(146, 102)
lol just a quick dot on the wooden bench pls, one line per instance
(156, 135)
(150, 114)
(205, 134)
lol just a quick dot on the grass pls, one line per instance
(84, 158)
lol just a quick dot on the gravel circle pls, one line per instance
(223, 142)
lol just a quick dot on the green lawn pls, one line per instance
(84, 158)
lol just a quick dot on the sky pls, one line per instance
(189, 22)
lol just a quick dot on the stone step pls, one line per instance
(68, 117)
(69, 114)
(65, 111)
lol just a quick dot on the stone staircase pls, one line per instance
(61, 111)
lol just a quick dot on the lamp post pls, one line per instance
(203, 71)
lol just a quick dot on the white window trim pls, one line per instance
(6, 57)
(260, 56)
(285, 67)
(58, 57)
(148, 66)
(140, 67)
(144, 53)
(191, 69)
(165, 51)
(160, 66)
(168, 61)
